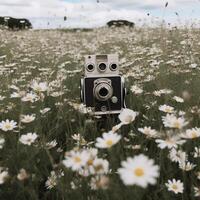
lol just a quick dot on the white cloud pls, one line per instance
(87, 12)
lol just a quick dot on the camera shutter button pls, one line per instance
(114, 99)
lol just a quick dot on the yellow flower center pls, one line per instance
(194, 134)
(7, 126)
(168, 110)
(139, 172)
(77, 159)
(98, 167)
(109, 142)
(174, 187)
(90, 162)
(177, 125)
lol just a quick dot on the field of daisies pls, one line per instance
(51, 149)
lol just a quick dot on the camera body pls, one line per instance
(102, 87)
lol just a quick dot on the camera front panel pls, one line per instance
(104, 95)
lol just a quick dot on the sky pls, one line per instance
(95, 13)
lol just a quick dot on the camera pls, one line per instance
(102, 88)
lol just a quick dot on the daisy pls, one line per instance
(15, 95)
(197, 152)
(196, 191)
(99, 182)
(76, 160)
(30, 97)
(2, 141)
(172, 121)
(45, 110)
(186, 166)
(148, 131)
(177, 156)
(3, 176)
(92, 156)
(51, 181)
(22, 175)
(127, 116)
(136, 90)
(191, 133)
(39, 87)
(51, 144)
(99, 166)
(139, 170)
(175, 186)
(8, 125)
(28, 139)
(178, 99)
(27, 118)
(109, 139)
(167, 109)
(170, 142)
(166, 91)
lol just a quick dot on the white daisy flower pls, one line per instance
(191, 133)
(99, 182)
(28, 139)
(30, 97)
(167, 109)
(51, 181)
(198, 175)
(109, 139)
(45, 110)
(148, 131)
(127, 116)
(99, 166)
(39, 87)
(170, 142)
(8, 125)
(196, 191)
(22, 175)
(178, 99)
(3, 176)
(186, 166)
(157, 93)
(16, 95)
(166, 91)
(139, 170)
(175, 186)
(76, 160)
(27, 118)
(51, 144)
(136, 90)
(172, 121)
(2, 141)
(196, 152)
(177, 156)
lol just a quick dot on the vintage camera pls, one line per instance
(102, 87)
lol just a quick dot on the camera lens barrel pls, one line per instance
(113, 67)
(90, 67)
(103, 90)
(102, 67)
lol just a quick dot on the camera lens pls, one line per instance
(103, 89)
(103, 92)
(102, 66)
(90, 67)
(113, 67)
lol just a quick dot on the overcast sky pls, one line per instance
(92, 13)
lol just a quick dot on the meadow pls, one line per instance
(50, 149)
